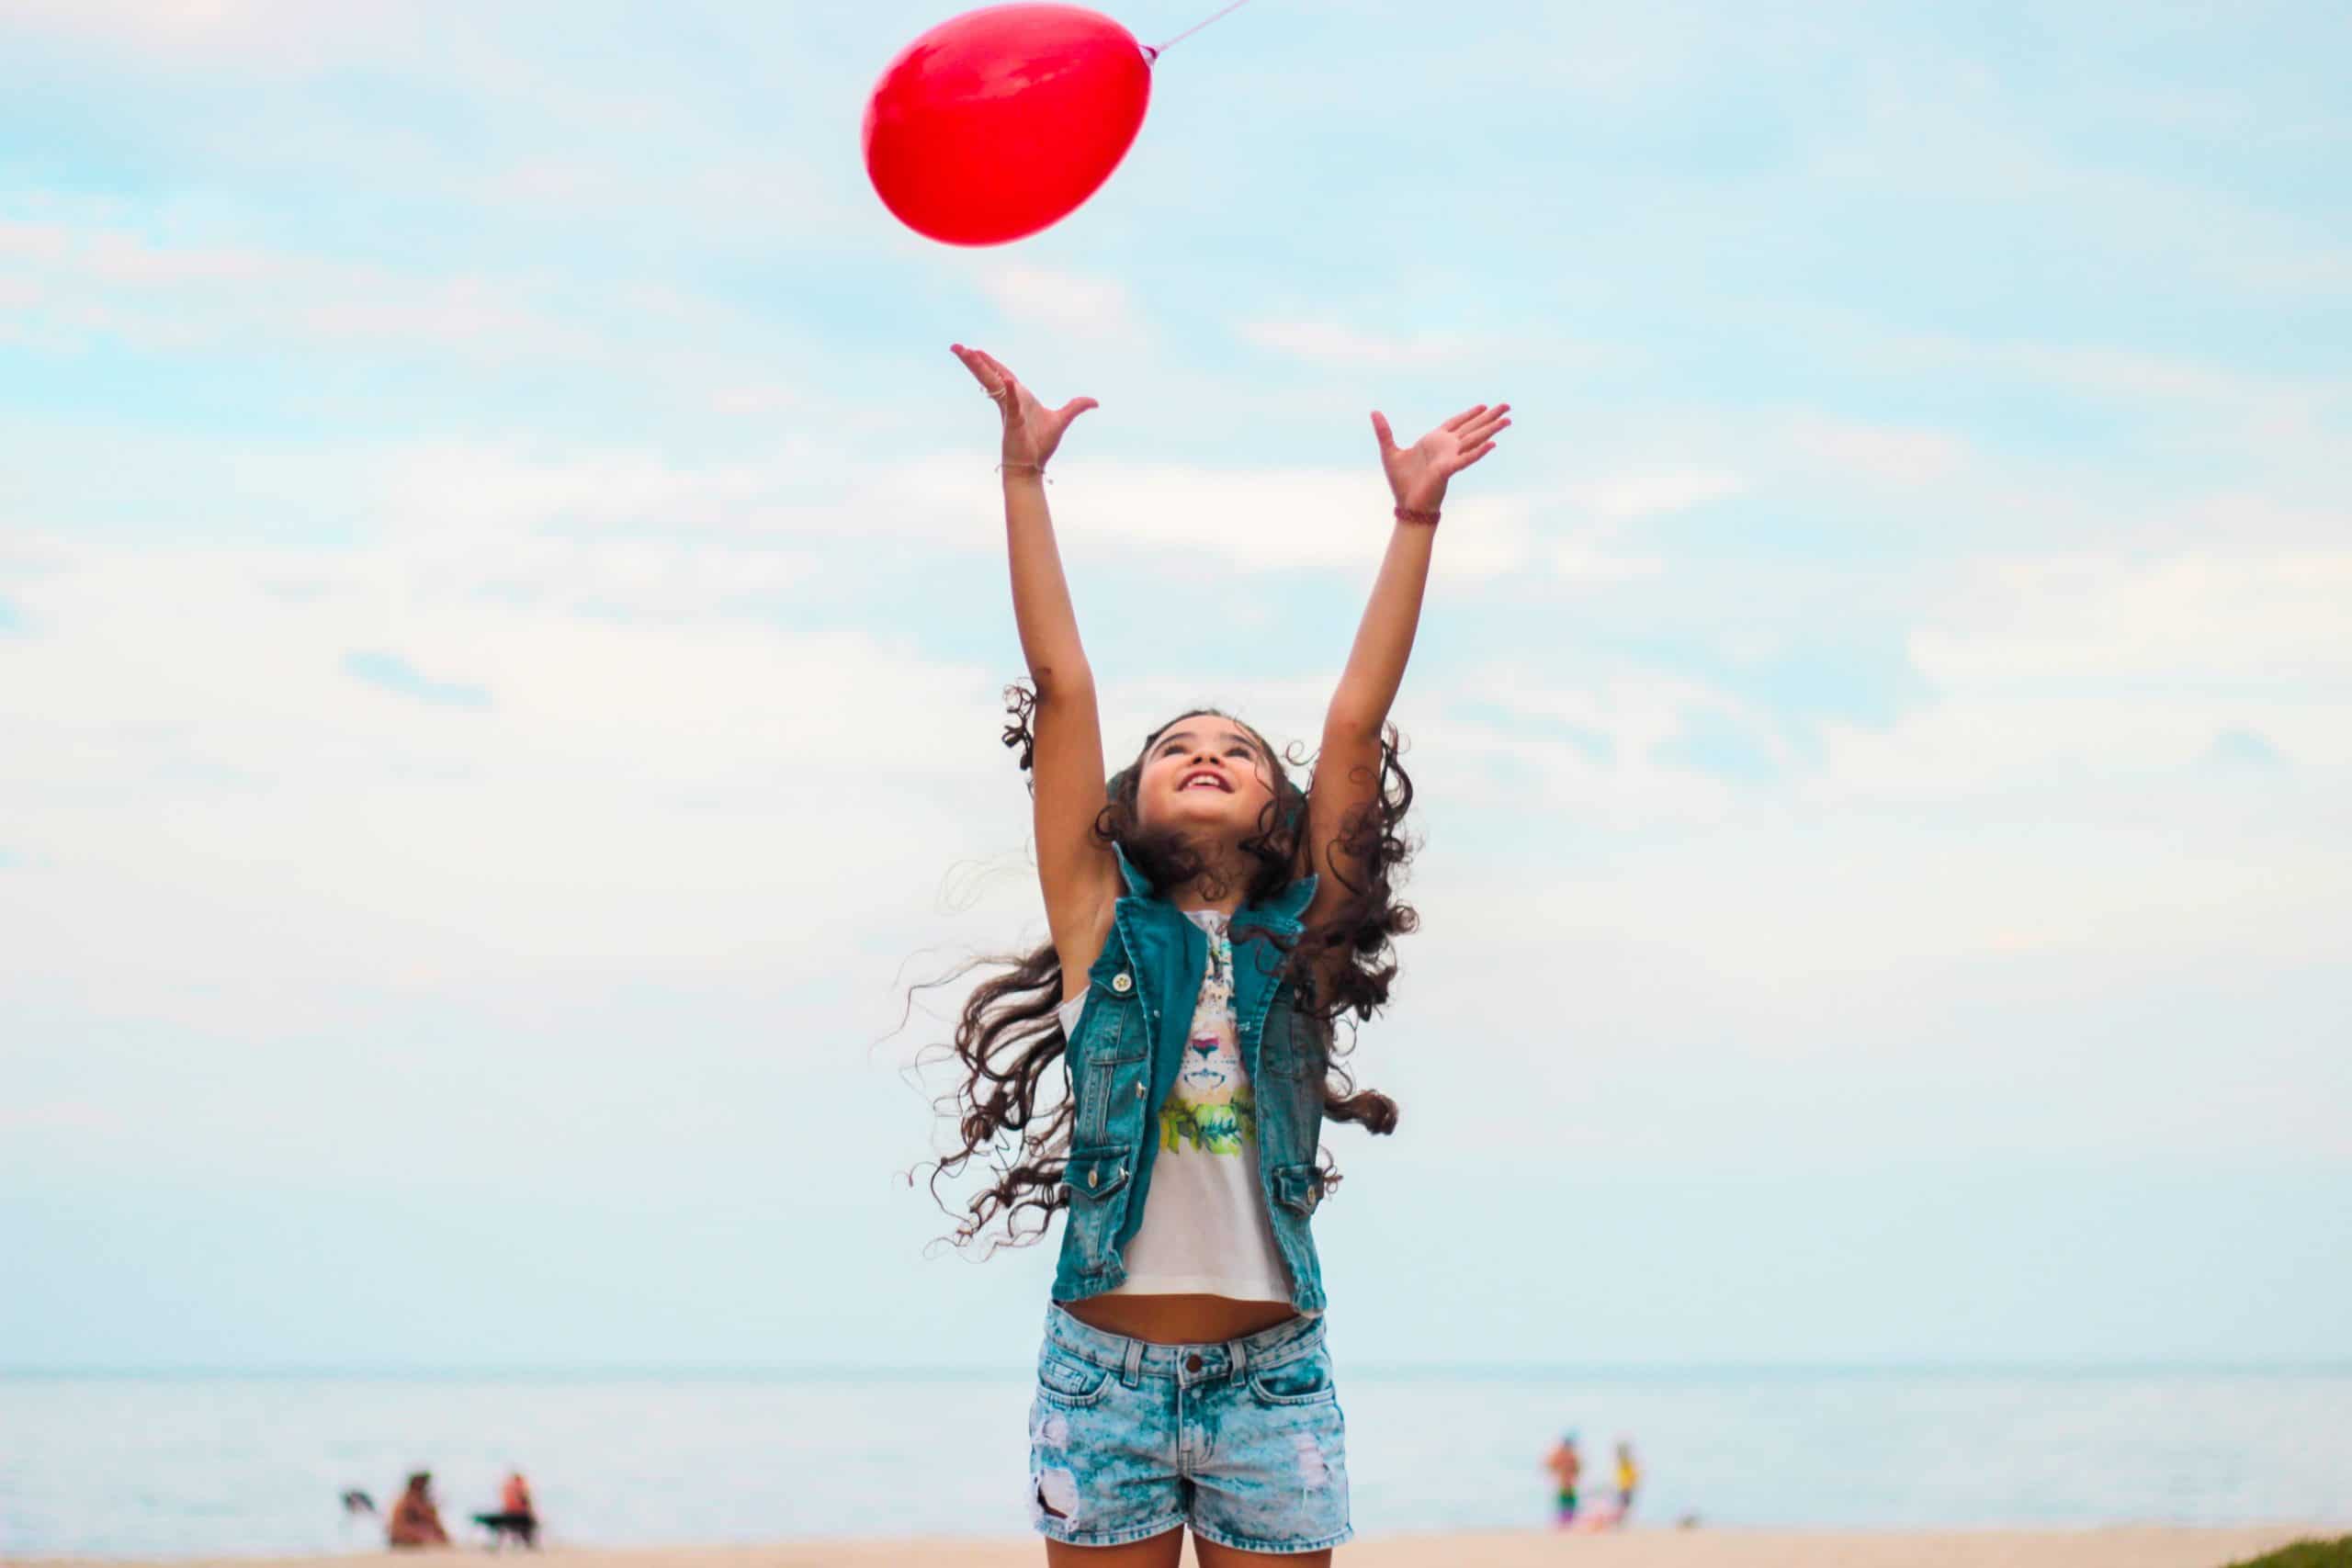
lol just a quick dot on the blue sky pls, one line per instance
(501, 617)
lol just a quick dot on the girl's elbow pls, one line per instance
(1059, 684)
(1352, 722)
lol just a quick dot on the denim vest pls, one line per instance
(1124, 1059)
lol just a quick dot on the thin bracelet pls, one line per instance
(1413, 514)
(1037, 468)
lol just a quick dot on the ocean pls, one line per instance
(186, 1465)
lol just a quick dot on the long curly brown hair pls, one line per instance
(1008, 1038)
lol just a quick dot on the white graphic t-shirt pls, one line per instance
(1204, 1227)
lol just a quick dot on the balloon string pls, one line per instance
(1196, 27)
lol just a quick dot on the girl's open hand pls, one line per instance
(1031, 430)
(1418, 474)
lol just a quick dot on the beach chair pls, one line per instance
(521, 1528)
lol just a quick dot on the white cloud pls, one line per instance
(2083, 674)
(1891, 454)
(682, 177)
(1275, 520)
(1628, 498)
(1290, 519)
(481, 507)
(1586, 562)
(2267, 410)
(195, 778)
(260, 36)
(79, 278)
(1606, 508)
(2272, 624)
(1333, 344)
(1595, 750)
(1098, 309)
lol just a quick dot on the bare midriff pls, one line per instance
(1179, 1320)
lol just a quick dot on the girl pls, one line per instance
(1209, 921)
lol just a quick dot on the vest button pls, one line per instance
(1140, 1091)
(1094, 1176)
(1192, 1363)
(1123, 982)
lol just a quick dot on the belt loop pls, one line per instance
(1132, 1374)
(1240, 1349)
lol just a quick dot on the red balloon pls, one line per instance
(1001, 121)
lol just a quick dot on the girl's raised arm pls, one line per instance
(1080, 878)
(1347, 770)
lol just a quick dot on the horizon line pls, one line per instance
(966, 1372)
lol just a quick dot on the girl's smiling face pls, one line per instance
(1206, 774)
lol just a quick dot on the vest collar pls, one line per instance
(1138, 885)
(1281, 913)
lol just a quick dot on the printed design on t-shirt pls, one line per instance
(1212, 1107)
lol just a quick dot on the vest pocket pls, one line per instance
(1096, 1173)
(1299, 1187)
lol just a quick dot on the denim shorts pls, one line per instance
(1243, 1441)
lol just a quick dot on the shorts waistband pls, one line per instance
(1134, 1359)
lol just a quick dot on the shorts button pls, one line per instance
(1192, 1363)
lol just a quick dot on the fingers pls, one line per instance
(1471, 451)
(1485, 429)
(994, 379)
(1476, 430)
(1072, 409)
(990, 372)
(1381, 432)
(976, 361)
(1007, 377)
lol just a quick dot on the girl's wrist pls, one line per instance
(1421, 502)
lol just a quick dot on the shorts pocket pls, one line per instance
(1073, 1385)
(1307, 1380)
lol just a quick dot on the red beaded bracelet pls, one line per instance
(1413, 514)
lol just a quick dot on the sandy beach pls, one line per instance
(2137, 1547)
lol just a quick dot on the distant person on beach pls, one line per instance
(1629, 1478)
(516, 1517)
(415, 1521)
(514, 1498)
(1162, 1066)
(1567, 1468)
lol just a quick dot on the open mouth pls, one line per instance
(1203, 778)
